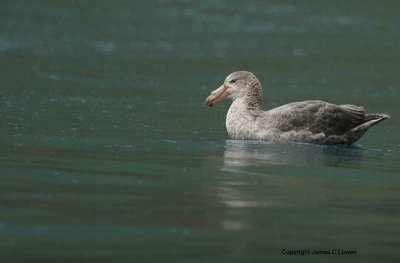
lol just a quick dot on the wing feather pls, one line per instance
(320, 117)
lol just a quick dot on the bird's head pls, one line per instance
(239, 84)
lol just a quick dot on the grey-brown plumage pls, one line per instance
(311, 121)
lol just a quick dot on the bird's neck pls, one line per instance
(253, 102)
(254, 97)
(245, 107)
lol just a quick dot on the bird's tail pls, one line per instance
(369, 121)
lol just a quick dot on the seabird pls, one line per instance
(311, 121)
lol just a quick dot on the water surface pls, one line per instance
(108, 153)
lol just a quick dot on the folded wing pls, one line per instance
(319, 117)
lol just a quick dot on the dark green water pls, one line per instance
(108, 153)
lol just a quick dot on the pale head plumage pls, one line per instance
(239, 85)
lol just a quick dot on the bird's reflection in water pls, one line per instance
(263, 175)
(240, 153)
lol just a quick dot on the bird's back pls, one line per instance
(322, 122)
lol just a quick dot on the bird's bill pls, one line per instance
(217, 95)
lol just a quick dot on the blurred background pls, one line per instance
(107, 150)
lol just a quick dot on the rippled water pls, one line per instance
(108, 153)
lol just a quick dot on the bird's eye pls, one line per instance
(232, 81)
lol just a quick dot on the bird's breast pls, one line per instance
(240, 123)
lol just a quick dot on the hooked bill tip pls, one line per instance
(209, 102)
